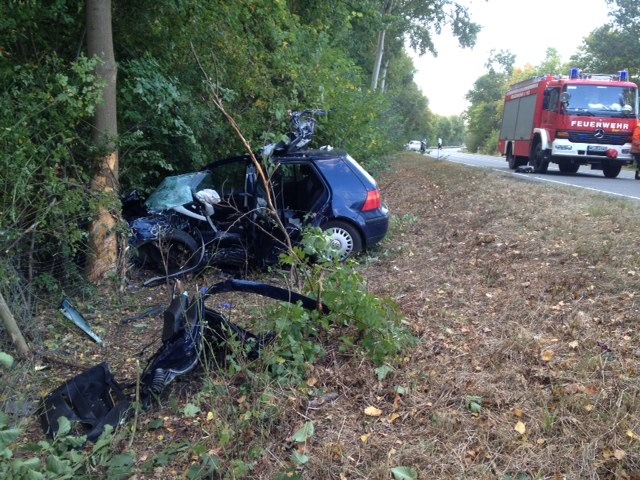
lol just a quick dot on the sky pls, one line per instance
(525, 28)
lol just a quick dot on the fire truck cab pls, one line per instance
(580, 119)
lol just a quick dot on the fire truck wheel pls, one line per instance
(540, 163)
(512, 160)
(566, 166)
(611, 171)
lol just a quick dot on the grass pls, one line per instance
(524, 283)
(524, 300)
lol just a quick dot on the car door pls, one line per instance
(303, 192)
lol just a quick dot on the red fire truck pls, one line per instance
(574, 120)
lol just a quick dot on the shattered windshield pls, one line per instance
(602, 100)
(177, 190)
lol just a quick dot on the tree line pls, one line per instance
(104, 96)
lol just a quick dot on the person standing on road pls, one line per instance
(635, 149)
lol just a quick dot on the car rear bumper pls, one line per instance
(376, 226)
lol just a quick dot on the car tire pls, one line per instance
(174, 252)
(343, 238)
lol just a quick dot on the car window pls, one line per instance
(356, 166)
(228, 178)
(177, 190)
(301, 187)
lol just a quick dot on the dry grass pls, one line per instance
(524, 298)
(523, 295)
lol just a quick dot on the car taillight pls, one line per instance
(373, 201)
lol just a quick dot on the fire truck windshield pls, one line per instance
(601, 100)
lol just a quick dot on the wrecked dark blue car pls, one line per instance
(219, 216)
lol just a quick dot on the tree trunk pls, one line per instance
(376, 67)
(103, 240)
(12, 328)
(383, 81)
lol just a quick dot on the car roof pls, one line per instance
(310, 155)
(314, 156)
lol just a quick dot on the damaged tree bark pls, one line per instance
(12, 327)
(103, 241)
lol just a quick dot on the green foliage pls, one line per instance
(450, 129)
(30, 31)
(297, 342)
(613, 46)
(302, 436)
(366, 323)
(43, 188)
(382, 372)
(484, 113)
(473, 403)
(167, 123)
(155, 112)
(6, 360)
(374, 325)
(609, 49)
(411, 107)
(404, 473)
(190, 410)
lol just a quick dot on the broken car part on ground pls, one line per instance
(192, 334)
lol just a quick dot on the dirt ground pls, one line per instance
(523, 299)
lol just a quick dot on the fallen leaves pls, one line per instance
(546, 355)
(576, 388)
(631, 434)
(372, 411)
(616, 453)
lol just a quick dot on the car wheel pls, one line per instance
(173, 252)
(343, 238)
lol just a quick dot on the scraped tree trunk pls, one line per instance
(103, 241)
(12, 328)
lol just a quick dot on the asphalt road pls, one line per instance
(624, 186)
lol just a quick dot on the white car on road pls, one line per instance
(413, 146)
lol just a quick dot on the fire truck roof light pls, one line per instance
(575, 74)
